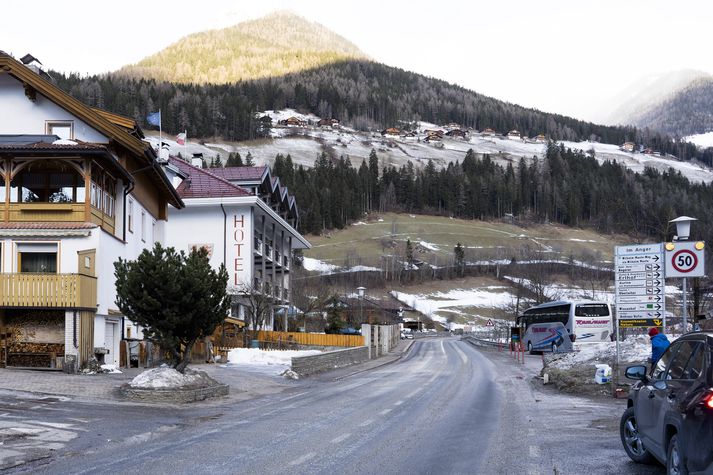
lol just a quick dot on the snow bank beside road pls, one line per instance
(633, 349)
(254, 356)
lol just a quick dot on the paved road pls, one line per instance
(444, 408)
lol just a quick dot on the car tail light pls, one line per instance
(708, 401)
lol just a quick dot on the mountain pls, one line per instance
(629, 105)
(283, 61)
(274, 45)
(688, 111)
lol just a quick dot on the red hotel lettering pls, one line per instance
(238, 238)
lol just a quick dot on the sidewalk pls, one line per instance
(243, 384)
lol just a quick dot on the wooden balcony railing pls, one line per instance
(48, 290)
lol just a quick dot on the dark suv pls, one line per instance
(670, 410)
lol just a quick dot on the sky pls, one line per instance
(563, 56)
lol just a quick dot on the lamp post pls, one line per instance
(360, 293)
(683, 232)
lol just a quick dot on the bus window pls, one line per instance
(592, 310)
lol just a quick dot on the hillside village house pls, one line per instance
(78, 189)
(247, 220)
(514, 135)
(628, 146)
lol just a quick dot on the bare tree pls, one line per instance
(258, 308)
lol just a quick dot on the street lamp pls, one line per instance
(360, 293)
(683, 232)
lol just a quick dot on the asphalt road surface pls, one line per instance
(446, 407)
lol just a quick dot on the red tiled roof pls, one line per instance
(239, 173)
(49, 225)
(204, 184)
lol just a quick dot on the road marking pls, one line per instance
(303, 459)
(443, 349)
(463, 358)
(398, 403)
(534, 451)
(412, 394)
(292, 397)
(384, 412)
(342, 437)
(366, 423)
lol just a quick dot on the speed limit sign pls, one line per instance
(685, 259)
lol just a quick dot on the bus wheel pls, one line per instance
(554, 347)
(529, 348)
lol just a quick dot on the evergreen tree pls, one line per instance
(459, 254)
(409, 254)
(218, 162)
(249, 162)
(176, 298)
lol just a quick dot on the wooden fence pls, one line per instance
(313, 339)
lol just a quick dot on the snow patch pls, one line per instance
(429, 246)
(110, 368)
(163, 378)
(312, 264)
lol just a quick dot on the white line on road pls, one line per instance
(534, 451)
(413, 394)
(293, 396)
(366, 422)
(443, 349)
(398, 403)
(384, 412)
(463, 358)
(303, 459)
(342, 437)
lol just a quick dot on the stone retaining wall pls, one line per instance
(306, 365)
(174, 395)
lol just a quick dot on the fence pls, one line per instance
(311, 339)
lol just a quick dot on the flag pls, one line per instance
(154, 118)
(181, 138)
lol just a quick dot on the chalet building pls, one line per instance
(514, 135)
(293, 122)
(489, 132)
(393, 131)
(410, 135)
(79, 189)
(628, 146)
(247, 221)
(329, 123)
(457, 134)
(541, 138)
(451, 126)
(434, 132)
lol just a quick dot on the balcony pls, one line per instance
(286, 262)
(257, 246)
(268, 252)
(48, 291)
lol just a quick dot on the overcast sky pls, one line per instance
(564, 56)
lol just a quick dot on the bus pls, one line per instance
(585, 320)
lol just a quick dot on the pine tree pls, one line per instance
(459, 254)
(176, 298)
(409, 254)
(249, 160)
(218, 162)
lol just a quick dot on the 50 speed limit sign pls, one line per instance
(685, 259)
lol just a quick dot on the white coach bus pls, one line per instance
(585, 320)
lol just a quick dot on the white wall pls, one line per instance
(230, 237)
(29, 117)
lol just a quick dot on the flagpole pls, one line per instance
(185, 145)
(160, 140)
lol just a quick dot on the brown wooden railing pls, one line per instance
(48, 290)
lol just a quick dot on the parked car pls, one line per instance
(669, 415)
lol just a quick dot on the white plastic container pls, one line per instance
(603, 374)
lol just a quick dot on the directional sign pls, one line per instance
(640, 295)
(685, 259)
(640, 322)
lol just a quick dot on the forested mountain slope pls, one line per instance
(271, 46)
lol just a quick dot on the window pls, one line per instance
(47, 181)
(130, 215)
(64, 129)
(592, 310)
(143, 226)
(153, 231)
(663, 362)
(696, 364)
(37, 258)
(678, 365)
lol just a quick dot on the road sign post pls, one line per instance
(685, 259)
(639, 284)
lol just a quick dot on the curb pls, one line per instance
(394, 360)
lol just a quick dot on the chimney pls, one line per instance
(197, 160)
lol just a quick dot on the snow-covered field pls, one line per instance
(315, 265)
(453, 300)
(304, 144)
